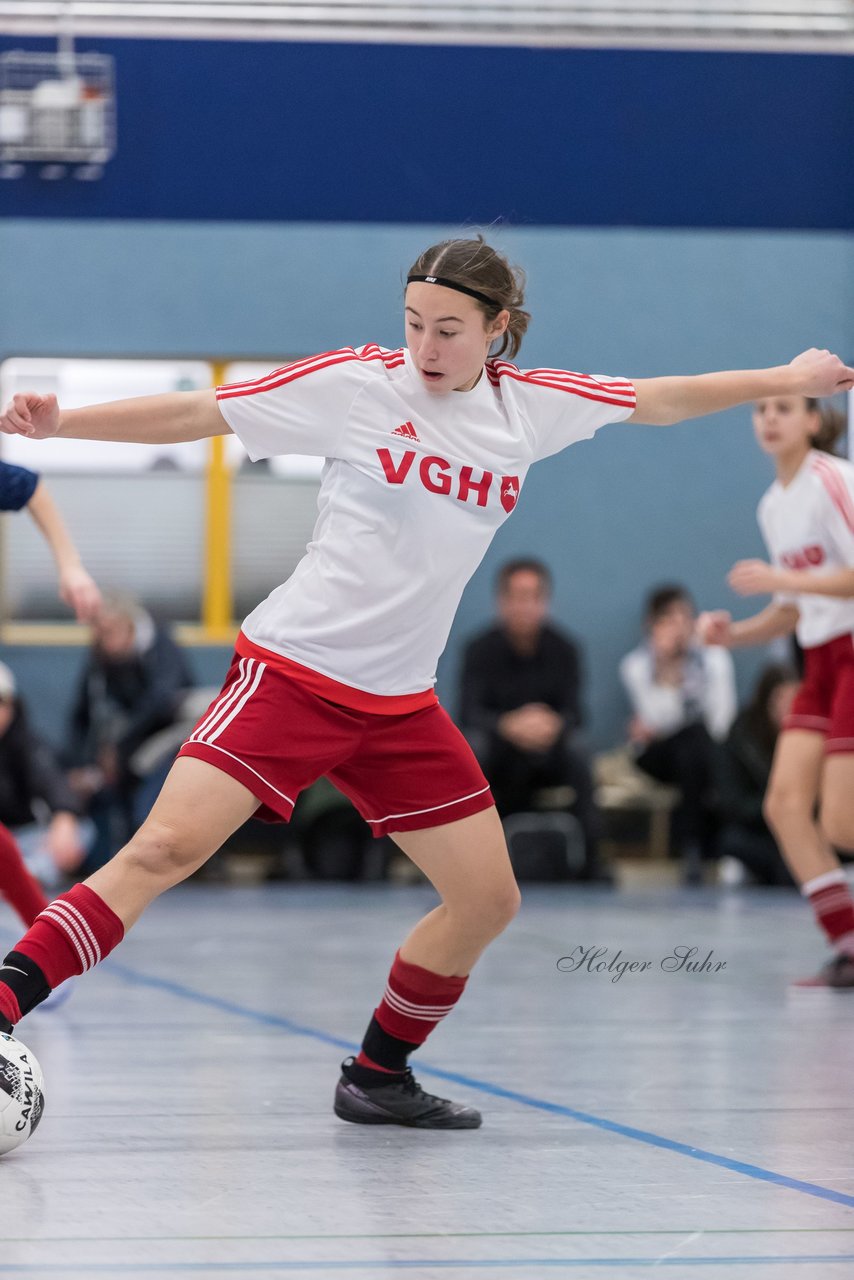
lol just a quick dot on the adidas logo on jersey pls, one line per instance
(406, 430)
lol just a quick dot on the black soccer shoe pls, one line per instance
(837, 975)
(6, 1027)
(401, 1102)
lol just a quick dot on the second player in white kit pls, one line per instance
(807, 521)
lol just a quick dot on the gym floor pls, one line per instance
(699, 1121)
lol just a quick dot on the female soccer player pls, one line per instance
(21, 488)
(427, 448)
(807, 521)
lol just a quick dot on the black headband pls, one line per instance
(460, 288)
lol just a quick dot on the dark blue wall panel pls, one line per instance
(573, 137)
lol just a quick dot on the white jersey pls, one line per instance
(808, 524)
(414, 488)
(707, 692)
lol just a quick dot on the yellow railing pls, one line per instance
(217, 603)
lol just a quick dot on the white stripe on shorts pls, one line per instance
(212, 734)
(224, 701)
(413, 813)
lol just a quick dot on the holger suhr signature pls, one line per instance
(681, 959)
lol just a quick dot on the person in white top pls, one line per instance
(427, 448)
(807, 521)
(682, 696)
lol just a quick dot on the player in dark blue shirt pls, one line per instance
(19, 488)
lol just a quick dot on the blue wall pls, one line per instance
(268, 199)
(413, 133)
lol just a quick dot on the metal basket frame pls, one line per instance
(37, 126)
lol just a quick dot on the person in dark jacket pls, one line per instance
(742, 769)
(520, 704)
(132, 686)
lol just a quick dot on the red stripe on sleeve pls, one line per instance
(619, 392)
(837, 490)
(312, 364)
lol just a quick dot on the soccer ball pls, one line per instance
(21, 1093)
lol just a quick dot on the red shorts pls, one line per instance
(402, 772)
(824, 702)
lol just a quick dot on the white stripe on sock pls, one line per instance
(390, 993)
(824, 881)
(426, 1013)
(55, 918)
(61, 908)
(86, 926)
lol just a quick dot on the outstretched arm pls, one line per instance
(76, 587)
(663, 401)
(769, 624)
(755, 578)
(167, 419)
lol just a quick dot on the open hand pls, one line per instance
(79, 591)
(65, 843)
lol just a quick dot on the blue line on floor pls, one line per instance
(408, 1264)
(495, 1091)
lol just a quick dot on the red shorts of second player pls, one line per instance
(824, 702)
(402, 772)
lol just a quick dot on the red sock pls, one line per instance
(20, 889)
(833, 905)
(71, 935)
(414, 1002)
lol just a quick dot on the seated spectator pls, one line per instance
(132, 686)
(36, 803)
(742, 769)
(682, 696)
(520, 705)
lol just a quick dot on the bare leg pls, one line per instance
(198, 808)
(811, 856)
(790, 804)
(468, 864)
(837, 800)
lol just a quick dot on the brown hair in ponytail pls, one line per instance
(831, 425)
(477, 265)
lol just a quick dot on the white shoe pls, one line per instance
(731, 872)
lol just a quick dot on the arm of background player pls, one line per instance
(769, 624)
(755, 577)
(76, 587)
(663, 401)
(167, 419)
